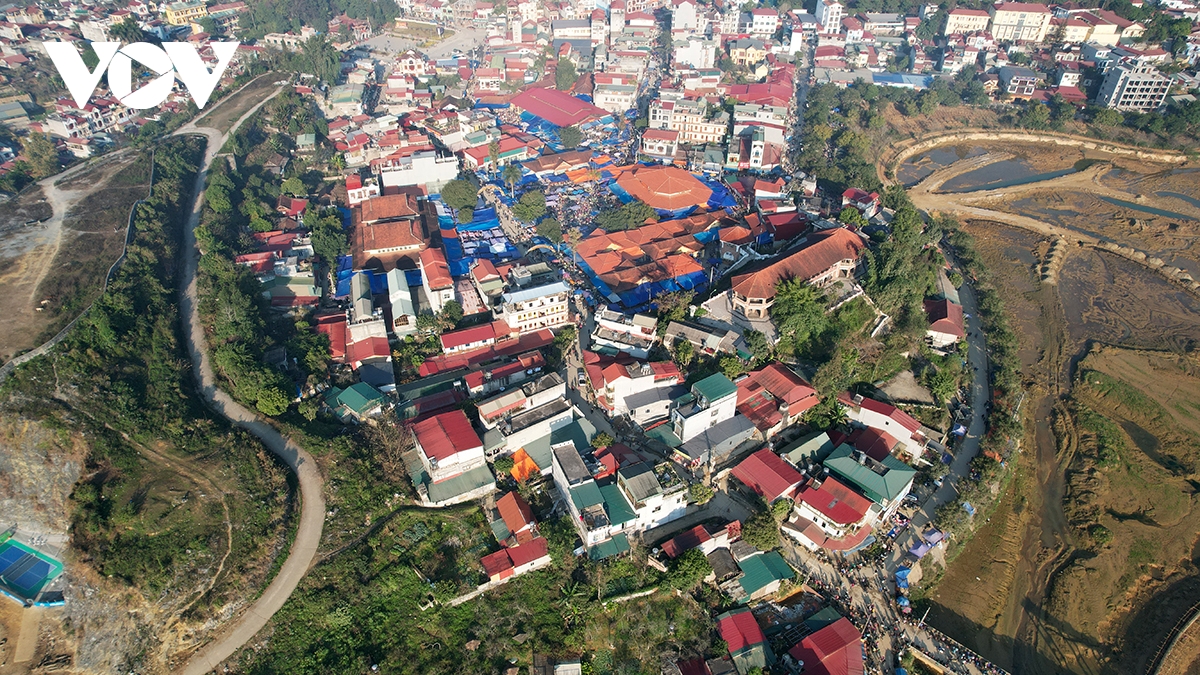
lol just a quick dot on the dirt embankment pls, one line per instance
(903, 150)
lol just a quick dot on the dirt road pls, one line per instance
(312, 515)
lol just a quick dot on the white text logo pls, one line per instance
(168, 61)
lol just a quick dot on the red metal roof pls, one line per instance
(823, 251)
(667, 188)
(497, 563)
(443, 436)
(372, 347)
(767, 475)
(686, 541)
(836, 502)
(834, 650)
(515, 512)
(945, 317)
(436, 269)
(557, 107)
(528, 552)
(740, 630)
(466, 336)
(899, 416)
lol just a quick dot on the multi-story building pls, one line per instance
(633, 335)
(695, 51)
(707, 423)
(660, 144)
(1018, 82)
(830, 14)
(764, 21)
(748, 51)
(690, 118)
(825, 258)
(450, 448)
(1020, 21)
(962, 20)
(1132, 85)
(529, 309)
(684, 16)
(185, 12)
(436, 279)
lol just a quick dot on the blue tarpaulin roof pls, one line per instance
(378, 284)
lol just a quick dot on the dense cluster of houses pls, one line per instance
(85, 130)
(1025, 51)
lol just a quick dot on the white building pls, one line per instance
(404, 310)
(1020, 21)
(711, 401)
(633, 335)
(683, 16)
(830, 14)
(421, 168)
(695, 51)
(657, 494)
(530, 309)
(1134, 86)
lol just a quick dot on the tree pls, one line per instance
(1035, 116)
(504, 465)
(327, 236)
(798, 312)
(42, 155)
(272, 401)
(494, 156)
(571, 137)
(699, 493)
(512, 176)
(852, 216)
(780, 509)
(550, 229)
(602, 440)
(294, 186)
(126, 31)
(688, 570)
(1107, 117)
(761, 531)
(631, 215)
(673, 306)
(452, 311)
(460, 194)
(466, 215)
(943, 383)
(759, 346)
(565, 75)
(683, 353)
(732, 366)
(531, 206)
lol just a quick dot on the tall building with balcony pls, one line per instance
(184, 12)
(1134, 86)
(528, 309)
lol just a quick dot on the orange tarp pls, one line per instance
(523, 466)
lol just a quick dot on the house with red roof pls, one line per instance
(945, 323)
(867, 203)
(435, 278)
(824, 258)
(516, 560)
(886, 418)
(747, 645)
(625, 385)
(773, 397)
(448, 445)
(830, 515)
(836, 649)
(475, 337)
(334, 326)
(703, 537)
(519, 526)
(769, 476)
(666, 188)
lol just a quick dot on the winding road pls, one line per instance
(312, 514)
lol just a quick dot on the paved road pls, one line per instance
(463, 40)
(312, 514)
(977, 360)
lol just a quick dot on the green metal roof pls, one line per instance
(762, 569)
(587, 494)
(461, 484)
(619, 510)
(357, 398)
(817, 446)
(607, 549)
(500, 530)
(663, 433)
(821, 619)
(879, 487)
(715, 387)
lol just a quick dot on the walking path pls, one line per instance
(312, 514)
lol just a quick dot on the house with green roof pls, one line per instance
(885, 482)
(763, 574)
(706, 421)
(356, 402)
